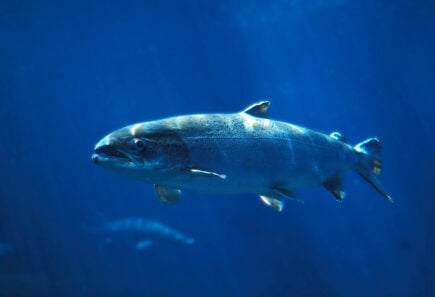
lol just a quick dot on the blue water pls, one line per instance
(72, 71)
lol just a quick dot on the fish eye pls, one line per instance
(139, 144)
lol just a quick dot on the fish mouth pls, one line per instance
(108, 152)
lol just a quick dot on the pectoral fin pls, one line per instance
(272, 200)
(208, 173)
(335, 186)
(167, 195)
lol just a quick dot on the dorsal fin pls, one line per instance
(258, 109)
(338, 136)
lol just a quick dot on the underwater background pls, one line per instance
(73, 71)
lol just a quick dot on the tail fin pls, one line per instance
(370, 164)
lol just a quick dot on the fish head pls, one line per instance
(147, 151)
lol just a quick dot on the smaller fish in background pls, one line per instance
(143, 244)
(138, 232)
(5, 248)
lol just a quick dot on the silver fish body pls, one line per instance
(243, 152)
(255, 154)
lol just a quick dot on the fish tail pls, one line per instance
(370, 164)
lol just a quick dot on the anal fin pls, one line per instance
(275, 197)
(167, 195)
(336, 187)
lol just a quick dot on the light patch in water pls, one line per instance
(184, 121)
(265, 124)
(248, 122)
(297, 129)
(197, 117)
(133, 130)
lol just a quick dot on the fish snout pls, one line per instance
(106, 141)
(99, 149)
(110, 150)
